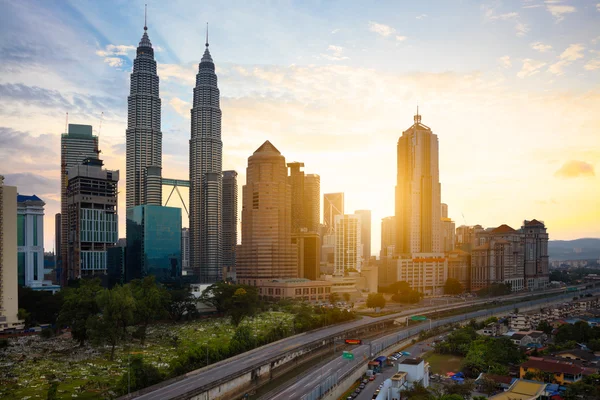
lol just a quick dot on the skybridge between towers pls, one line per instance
(176, 183)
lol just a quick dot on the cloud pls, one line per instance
(114, 54)
(181, 107)
(573, 52)
(539, 46)
(114, 61)
(575, 169)
(592, 65)
(521, 28)
(400, 38)
(115, 50)
(381, 29)
(33, 95)
(598, 6)
(21, 150)
(530, 67)
(28, 183)
(185, 75)
(421, 16)
(333, 32)
(558, 10)
(505, 61)
(558, 67)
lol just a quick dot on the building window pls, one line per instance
(35, 231)
(35, 258)
(21, 268)
(20, 230)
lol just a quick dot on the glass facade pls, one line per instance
(35, 231)
(21, 231)
(21, 268)
(153, 243)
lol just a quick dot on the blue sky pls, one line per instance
(510, 87)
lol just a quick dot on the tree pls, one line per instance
(242, 340)
(375, 300)
(138, 375)
(116, 314)
(588, 388)
(151, 302)
(78, 307)
(488, 386)
(182, 304)
(417, 392)
(463, 390)
(43, 307)
(23, 315)
(334, 298)
(453, 286)
(244, 304)
(400, 287)
(346, 297)
(545, 327)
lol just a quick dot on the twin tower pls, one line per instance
(144, 155)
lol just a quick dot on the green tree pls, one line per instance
(334, 298)
(417, 392)
(78, 307)
(182, 304)
(453, 286)
(545, 327)
(43, 307)
(346, 297)
(375, 300)
(116, 314)
(488, 386)
(588, 388)
(23, 315)
(463, 390)
(242, 340)
(151, 302)
(244, 304)
(400, 287)
(139, 375)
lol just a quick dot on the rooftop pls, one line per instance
(521, 390)
(504, 229)
(552, 366)
(578, 353)
(412, 361)
(22, 198)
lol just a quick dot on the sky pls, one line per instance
(511, 88)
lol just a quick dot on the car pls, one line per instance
(380, 386)
(354, 395)
(362, 386)
(357, 390)
(372, 378)
(365, 381)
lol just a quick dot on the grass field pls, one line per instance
(31, 363)
(442, 363)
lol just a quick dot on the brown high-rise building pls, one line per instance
(312, 202)
(536, 254)
(418, 204)
(305, 191)
(266, 252)
(333, 204)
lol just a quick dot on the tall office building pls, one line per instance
(536, 254)
(348, 248)
(57, 248)
(230, 218)
(92, 199)
(9, 301)
(447, 231)
(296, 182)
(75, 146)
(206, 175)
(153, 243)
(266, 252)
(144, 138)
(312, 202)
(365, 233)
(185, 249)
(30, 240)
(387, 266)
(333, 204)
(418, 204)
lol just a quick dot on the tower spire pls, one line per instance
(206, 44)
(145, 16)
(417, 117)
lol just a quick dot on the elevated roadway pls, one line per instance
(230, 377)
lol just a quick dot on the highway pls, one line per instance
(234, 366)
(317, 381)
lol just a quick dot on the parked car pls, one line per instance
(372, 378)
(365, 381)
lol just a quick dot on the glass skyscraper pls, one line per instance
(153, 243)
(144, 137)
(206, 258)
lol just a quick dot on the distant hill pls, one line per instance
(578, 249)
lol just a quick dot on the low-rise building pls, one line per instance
(494, 329)
(550, 371)
(425, 272)
(295, 288)
(417, 371)
(522, 390)
(578, 355)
